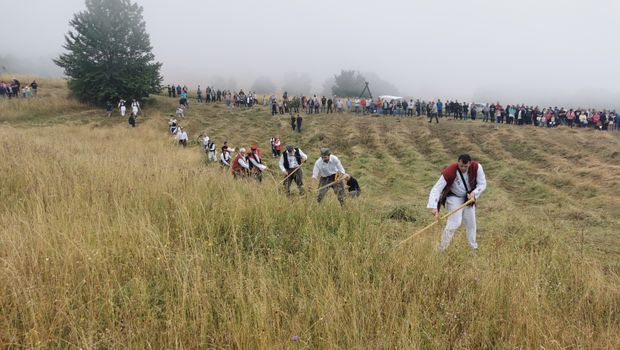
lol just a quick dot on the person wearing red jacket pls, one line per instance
(458, 183)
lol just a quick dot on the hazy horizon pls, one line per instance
(534, 52)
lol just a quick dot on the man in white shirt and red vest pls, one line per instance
(327, 168)
(240, 166)
(290, 161)
(458, 183)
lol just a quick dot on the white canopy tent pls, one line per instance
(390, 97)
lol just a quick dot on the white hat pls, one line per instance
(241, 150)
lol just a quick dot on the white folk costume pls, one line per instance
(452, 187)
(225, 157)
(135, 107)
(211, 151)
(290, 160)
(122, 107)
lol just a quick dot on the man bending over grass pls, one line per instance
(458, 183)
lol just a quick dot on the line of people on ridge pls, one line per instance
(522, 115)
(605, 119)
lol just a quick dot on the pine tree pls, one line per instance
(109, 53)
(348, 83)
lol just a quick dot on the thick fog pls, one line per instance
(547, 52)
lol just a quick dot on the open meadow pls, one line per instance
(113, 237)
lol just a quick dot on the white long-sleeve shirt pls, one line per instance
(458, 188)
(256, 163)
(327, 169)
(182, 136)
(225, 158)
(292, 161)
(243, 162)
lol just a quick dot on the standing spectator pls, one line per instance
(570, 117)
(274, 106)
(485, 113)
(498, 113)
(432, 112)
(3, 89)
(183, 99)
(511, 115)
(299, 120)
(15, 87)
(277, 145)
(109, 108)
(293, 122)
(596, 121)
(273, 146)
(33, 88)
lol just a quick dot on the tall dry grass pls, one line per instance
(113, 238)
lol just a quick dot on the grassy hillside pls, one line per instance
(113, 237)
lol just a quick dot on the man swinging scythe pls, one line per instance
(460, 182)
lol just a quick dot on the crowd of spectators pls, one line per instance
(549, 117)
(14, 89)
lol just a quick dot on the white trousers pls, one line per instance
(123, 109)
(134, 110)
(467, 214)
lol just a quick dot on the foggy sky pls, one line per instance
(516, 51)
